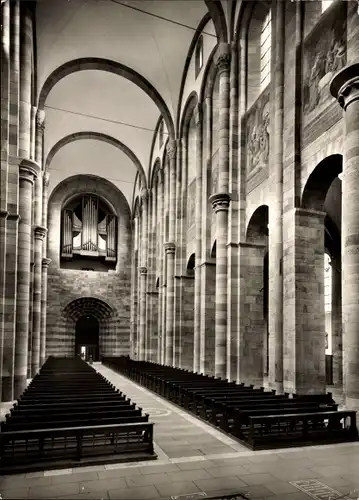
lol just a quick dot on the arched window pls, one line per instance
(259, 51)
(266, 38)
(160, 134)
(199, 56)
(328, 303)
(326, 4)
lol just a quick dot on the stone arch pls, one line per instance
(320, 180)
(209, 76)
(198, 33)
(213, 253)
(219, 19)
(257, 228)
(188, 109)
(98, 136)
(191, 262)
(100, 64)
(154, 173)
(101, 311)
(91, 184)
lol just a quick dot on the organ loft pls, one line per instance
(179, 202)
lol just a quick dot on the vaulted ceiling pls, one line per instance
(100, 101)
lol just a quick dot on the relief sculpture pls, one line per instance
(325, 54)
(257, 133)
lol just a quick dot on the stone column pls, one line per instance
(26, 49)
(29, 170)
(4, 131)
(345, 87)
(3, 216)
(337, 338)
(170, 248)
(39, 234)
(142, 329)
(220, 203)
(45, 262)
(275, 296)
(198, 218)
(45, 266)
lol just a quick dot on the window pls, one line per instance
(265, 65)
(199, 55)
(328, 302)
(160, 134)
(326, 4)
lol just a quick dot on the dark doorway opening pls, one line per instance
(87, 338)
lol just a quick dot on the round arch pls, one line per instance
(320, 180)
(97, 136)
(219, 19)
(257, 228)
(100, 64)
(188, 109)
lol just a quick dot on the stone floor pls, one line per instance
(194, 458)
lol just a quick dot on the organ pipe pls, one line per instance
(84, 234)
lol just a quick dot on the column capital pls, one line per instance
(223, 57)
(142, 270)
(220, 201)
(344, 86)
(46, 262)
(40, 232)
(29, 170)
(169, 247)
(171, 149)
(40, 120)
(46, 178)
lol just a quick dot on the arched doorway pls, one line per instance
(87, 338)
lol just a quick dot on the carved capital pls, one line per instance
(170, 247)
(40, 120)
(40, 232)
(46, 263)
(220, 202)
(46, 178)
(223, 59)
(29, 170)
(345, 85)
(171, 150)
(142, 270)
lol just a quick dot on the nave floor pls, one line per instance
(194, 457)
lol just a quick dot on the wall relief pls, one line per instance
(324, 55)
(257, 133)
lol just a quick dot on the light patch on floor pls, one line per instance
(317, 490)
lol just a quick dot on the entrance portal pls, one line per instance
(87, 338)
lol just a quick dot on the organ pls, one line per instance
(88, 229)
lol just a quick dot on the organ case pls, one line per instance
(87, 230)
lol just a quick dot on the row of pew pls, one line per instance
(70, 415)
(258, 418)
